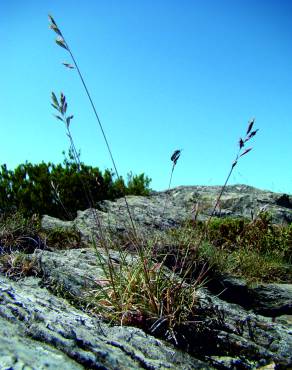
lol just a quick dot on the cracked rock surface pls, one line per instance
(41, 331)
(220, 328)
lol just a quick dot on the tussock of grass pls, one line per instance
(19, 233)
(17, 265)
(141, 292)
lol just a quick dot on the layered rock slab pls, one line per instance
(41, 331)
(219, 328)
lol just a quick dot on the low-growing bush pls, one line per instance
(58, 190)
(259, 235)
(257, 250)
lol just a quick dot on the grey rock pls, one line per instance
(271, 299)
(168, 209)
(42, 331)
(18, 351)
(230, 330)
(265, 299)
(220, 328)
(52, 223)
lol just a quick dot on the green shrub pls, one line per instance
(58, 190)
(138, 184)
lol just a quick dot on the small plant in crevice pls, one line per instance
(17, 265)
(19, 233)
(115, 277)
(61, 107)
(128, 294)
(159, 304)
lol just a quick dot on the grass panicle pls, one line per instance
(174, 158)
(194, 244)
(242, 150)
(60, 40)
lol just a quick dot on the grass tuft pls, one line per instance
(19, 233)
(17, 265)
(156, 302)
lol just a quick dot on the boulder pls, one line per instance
(270, 300)
(168, 209)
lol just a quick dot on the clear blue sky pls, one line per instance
(164, 74)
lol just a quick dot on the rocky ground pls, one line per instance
(43, 325)
(167, 209)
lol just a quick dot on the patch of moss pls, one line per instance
(62, 238)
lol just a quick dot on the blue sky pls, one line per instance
(164, 75)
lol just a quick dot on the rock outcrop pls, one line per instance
(44, 324)
(41, 331)
(34, 321)
(219, 327)
(168, 209)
